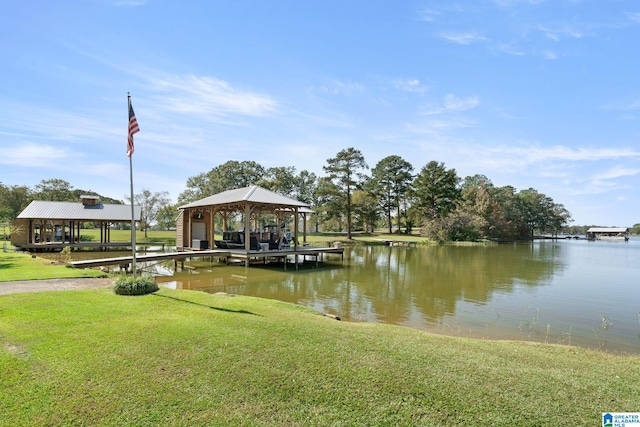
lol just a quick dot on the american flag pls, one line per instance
(133, 129)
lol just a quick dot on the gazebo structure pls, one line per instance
(45, 225)
(195, 227)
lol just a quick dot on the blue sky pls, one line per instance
(530, 93)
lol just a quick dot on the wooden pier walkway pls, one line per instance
(401, 243)
(51, 246)
(317, 255)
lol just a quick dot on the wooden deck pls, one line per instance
(316, 255)
(401, 243)
(54, 246)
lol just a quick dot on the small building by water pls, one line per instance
(45, 225)
(195, 226)
(608, 233)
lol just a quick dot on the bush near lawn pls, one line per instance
(189, 358)
(140, 285)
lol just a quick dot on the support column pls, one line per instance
(247, 232)
(304, 228)
(212, 228)
(190, 231)
(295, 235)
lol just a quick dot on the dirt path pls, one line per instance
(53, 285)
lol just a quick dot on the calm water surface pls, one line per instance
(568, 291)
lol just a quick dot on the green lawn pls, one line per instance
(22, 266)
(169, 237)
(189, 358)
(321, 239)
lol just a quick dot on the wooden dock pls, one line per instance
(401, 243)
(54, 246)
(316, 254)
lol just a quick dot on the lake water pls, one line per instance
(578, 292)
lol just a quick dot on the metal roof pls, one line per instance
(39, 209)
(253, 195)
(607, 230)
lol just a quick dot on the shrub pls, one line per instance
(141, 285)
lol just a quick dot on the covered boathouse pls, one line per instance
(46, 225)
(608, 233)
(259, 238)
(195, 226)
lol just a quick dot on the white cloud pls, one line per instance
(559, 33)
(462, 38)
(634, 16)
(510, 3)
(549, 54)
(540, 154)
(452, 104)
(337, 87)
(428, 15)
(437, 127)
(33, 155)
(616, 172)
(51, 123)
(409, 85)
(211, 97)
(130, 3)
(510, 49)
(624, 107)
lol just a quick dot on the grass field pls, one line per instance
(189, 358)
(22, 266)
(169, 237)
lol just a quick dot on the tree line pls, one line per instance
(444, 206)
(351, 197)
(155, 206)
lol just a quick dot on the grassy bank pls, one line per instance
(322, 239)
(168, 237)
(189, 358)
(22, 266)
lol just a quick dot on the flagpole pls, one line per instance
(133, 217)
(133, 221)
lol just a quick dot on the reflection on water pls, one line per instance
(549, 291)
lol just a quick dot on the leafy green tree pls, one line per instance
(150, 204)
(365, 209)
(540, 213)
(392, 178)
(435, 192)
(480, 199)
(461, 224)
(103, 199)
(306, 185)
(57, 190)
(281, 180)
(327, 205)
(166, 216)
(5, 212)
(558, 218)
(345, 172)
(320, 201)
(13, 200)
(506, 222)
(228, 176)
(284, 180)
